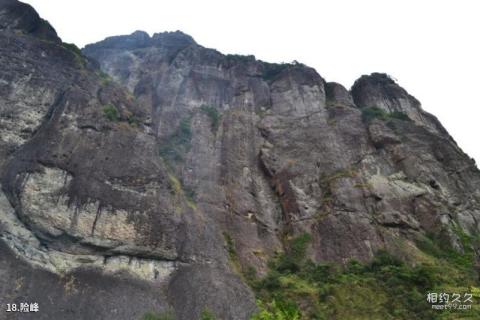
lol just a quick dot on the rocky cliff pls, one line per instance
(151, 173)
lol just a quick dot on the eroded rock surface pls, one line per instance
(147, 173)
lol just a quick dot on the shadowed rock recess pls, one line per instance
(151, 174)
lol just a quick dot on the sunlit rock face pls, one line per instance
(129, 172)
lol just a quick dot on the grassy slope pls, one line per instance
(387, 288)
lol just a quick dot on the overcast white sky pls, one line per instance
(431, 47)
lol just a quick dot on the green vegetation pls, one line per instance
(214, 116)
(175, 184)
(190, 194)
(370, 113)
(271, 70)
(157, 316)
(178, 144)
(296, 288)
(133, 121)
(232, 255)
(386, 288)
(77, 53)
(104, 78)
(207, 315)
(292, 261)
(72, 47)
(339, 174)
(240, 58)
(262, 112)
(111, 113)
(327, 185)
(463, 262)
(277, 311)
(180, 190)
(230, 246)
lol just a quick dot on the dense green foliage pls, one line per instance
(386, 288)
(370, 113)
(296, 288)
(110, 112)
(292, 262)
(214, 116)
(462, 262)
(277, 311)
(178, 144)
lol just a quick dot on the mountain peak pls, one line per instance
(172, 39)
(141, 39)
(20, 17)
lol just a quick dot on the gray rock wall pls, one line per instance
(126, 187)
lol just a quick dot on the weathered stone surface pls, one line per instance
(21, 17)
(197, 288)
(306, 139)
(146, 180)
(81, 294)
(381, 134)
(338, 94)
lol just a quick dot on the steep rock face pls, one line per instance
(85, 195)
(294, 154)
(190, 167)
